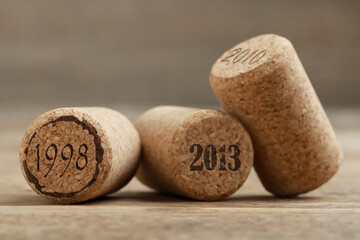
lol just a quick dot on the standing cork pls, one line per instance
(262, 82)
(70, 155)
(200, 154)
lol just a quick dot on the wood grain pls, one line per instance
(136, 212)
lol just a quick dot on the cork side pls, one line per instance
(124, 142)
(296, 149)
(156, 128)
(63, 157)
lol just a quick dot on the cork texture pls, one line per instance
(262, 82)
(196, 153)
(70, 155)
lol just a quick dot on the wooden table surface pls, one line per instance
(136, 212)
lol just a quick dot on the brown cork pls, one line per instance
(262, 82)
(196, 153)
(70, 155)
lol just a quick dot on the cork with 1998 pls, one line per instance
(70, 155)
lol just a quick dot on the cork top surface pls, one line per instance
(226, 160)
(61, 153)
(267, 49)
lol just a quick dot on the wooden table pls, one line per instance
(136, 212)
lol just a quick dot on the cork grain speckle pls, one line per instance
(262, 82)
(69, 155)
(197, 153)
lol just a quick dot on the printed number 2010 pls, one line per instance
(239, 54)
(210, 158)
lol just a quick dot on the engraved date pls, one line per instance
(66, 154)
(240, 55)
(210, 158)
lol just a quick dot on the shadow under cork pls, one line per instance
(270, 201)
(138, 198)
(157, 199)
(24, 200)
(119, 198)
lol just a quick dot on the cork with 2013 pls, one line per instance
(271, 120)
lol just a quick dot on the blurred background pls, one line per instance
(142, 53)
(131, 55)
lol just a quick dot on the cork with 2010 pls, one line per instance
(271, 120)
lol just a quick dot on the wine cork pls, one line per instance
(70, 155)
(262, 82)
(196, 153)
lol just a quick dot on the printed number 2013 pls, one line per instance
(210, 158)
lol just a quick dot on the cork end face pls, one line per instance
(267, 49)
(62, 157)
(214, 157)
